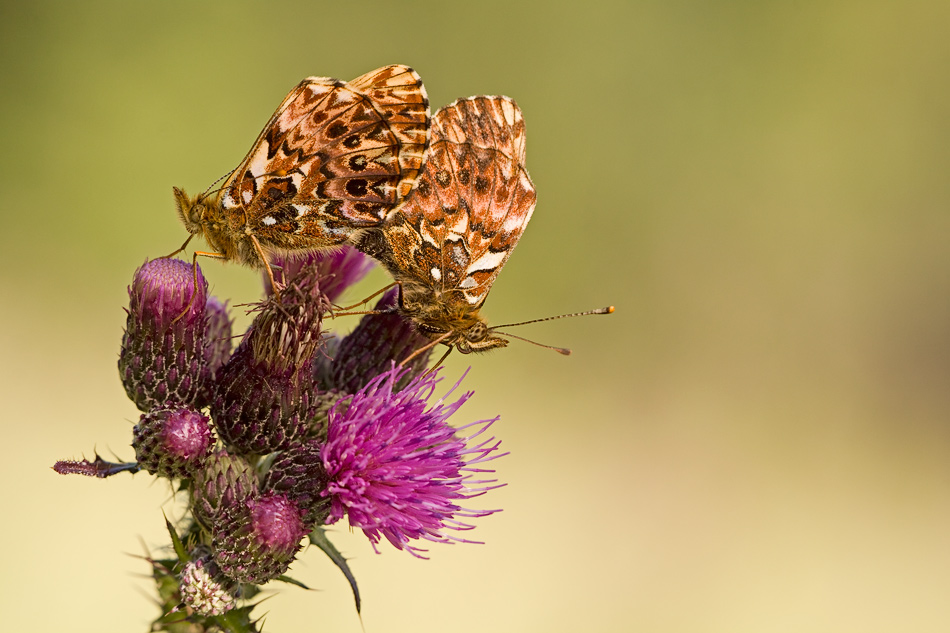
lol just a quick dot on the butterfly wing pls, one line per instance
(472, 202)
(334, 157)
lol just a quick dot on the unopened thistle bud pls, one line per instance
(162, 360)
(224, 481)
(372, 347)
(172, 442)
(263, 398)
(205, 589)
(256, 541)
(299, 474)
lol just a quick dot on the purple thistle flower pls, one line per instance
(397, 469)
(336, 269)
(162, 359)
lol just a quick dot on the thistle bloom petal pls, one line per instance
(397, 469)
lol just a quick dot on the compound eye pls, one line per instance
(477, 332)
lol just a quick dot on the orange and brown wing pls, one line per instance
(473, 200)
(334, 157)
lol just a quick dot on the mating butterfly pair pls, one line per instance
(340, 163)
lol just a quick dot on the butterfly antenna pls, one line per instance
(559, 350)
(607, 310)
(210, 190)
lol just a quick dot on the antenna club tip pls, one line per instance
(563, 351)
(607, 310)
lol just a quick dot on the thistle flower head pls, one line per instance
(162, 359)
(204, 589)
(255, 541)
(162, 292)
(264, 393)
(299, 474)
(172, 442)
(397, 469)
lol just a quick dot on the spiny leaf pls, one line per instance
(319, 538)
(176, 542)
(291, 581)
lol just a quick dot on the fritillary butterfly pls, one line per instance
(447, 243)
(334, 158)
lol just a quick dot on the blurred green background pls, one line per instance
(756, 441)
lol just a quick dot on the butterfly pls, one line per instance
(447, 243)
(334, 158)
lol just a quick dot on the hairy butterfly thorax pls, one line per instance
(336, 157)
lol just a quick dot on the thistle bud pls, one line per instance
(263, 393)
(224, 481)
(373, 346)
(162, 360)
(299, 474)
(205, 589)
(172, 442)
(256, 541)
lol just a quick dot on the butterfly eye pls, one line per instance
(196, 212)
(477, 332)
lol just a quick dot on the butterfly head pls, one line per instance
(193, 212)
(453, 323)
(478, 338)
(202, 215)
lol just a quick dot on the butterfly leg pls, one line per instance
(375, 294)
(180, 249)
(427, 346)
(194, 268)
(270, 273)
(436, 366)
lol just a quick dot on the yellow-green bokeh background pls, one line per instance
(757, 441)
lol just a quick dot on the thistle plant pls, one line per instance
(292, 430)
